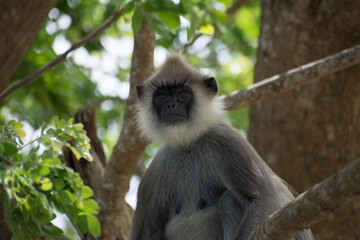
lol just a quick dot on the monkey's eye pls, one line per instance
(184, 95)
(161, 97)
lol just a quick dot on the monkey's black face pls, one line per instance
(173, 103)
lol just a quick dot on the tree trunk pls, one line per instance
(20, 22)
(114, 217)
(307, 134)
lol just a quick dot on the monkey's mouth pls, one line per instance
(173, 118)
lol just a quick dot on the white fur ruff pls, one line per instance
(205, 115)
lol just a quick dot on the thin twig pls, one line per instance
(7, 161)
(235, 7)
(62, 57)
(189, 44)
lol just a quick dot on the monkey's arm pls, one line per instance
(150, 216)
(148, 223)
(248, 180)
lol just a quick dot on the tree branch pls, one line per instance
(235, 7)
(312, 206)
(62, 57)
(7, 161)
(189, 44)
(114, 217)
(293, 78)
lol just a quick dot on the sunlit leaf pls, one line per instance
(46, 184)
(21, 133)
(89, 206)
(18, 125)
(87, 192)
(207, 29)
(93, 225)
(41, 170)
(171, 19)
(52, 161)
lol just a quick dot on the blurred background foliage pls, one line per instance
(97, 74)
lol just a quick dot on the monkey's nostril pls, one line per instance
(169, 106)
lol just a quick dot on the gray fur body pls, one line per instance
(206, 182)
(216, 188)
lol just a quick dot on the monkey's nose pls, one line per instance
(171, 105)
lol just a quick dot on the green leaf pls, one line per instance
(129, 6)
(171, 19)
(82, 224)
(41, 170)
(87, 192)
(21, 133)
(46, 184)
(93, 225)
(89, 206)
(136, 19)
(31, 207)
(79, 126)
(43, 127)
(18, 125)
(159, 27)
(207, 29)
(45, 217)
(12, 122)
(51, 132)
(50, 162)
(9, 149)
(66, 197)
(59, 184)
(190, 33)
(52, 230)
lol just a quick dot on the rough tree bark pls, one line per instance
(20, 22)
(310, 132)
(115, 223)
(292, 78)
(312, 206)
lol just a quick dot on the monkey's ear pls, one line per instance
(139, 90)
(210, 83)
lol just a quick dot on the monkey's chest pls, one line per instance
(192, 184)
(194, 191)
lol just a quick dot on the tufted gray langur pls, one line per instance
(206, 182)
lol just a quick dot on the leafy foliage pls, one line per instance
(35, 181)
